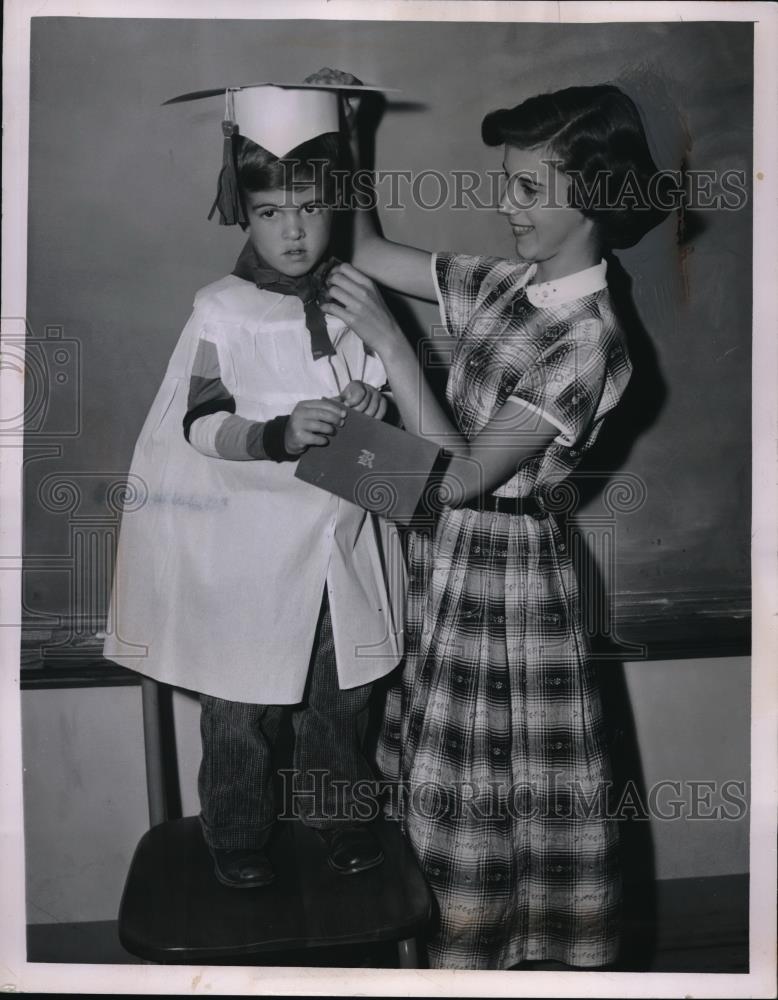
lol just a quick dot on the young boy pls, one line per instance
(235, 579)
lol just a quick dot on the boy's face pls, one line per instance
(290, 230)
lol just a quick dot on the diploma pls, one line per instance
(377, 466)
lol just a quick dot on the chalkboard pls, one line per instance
(118, 242)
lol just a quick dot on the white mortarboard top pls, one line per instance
(279, 117)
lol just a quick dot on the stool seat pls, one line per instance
(173, 909)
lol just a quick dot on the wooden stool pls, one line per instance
(173, 909)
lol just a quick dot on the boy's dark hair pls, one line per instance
(312, 162)
(597, 134)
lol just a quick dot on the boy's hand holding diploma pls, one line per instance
(312, 423)
(364, 399)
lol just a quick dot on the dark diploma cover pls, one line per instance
(377, 466)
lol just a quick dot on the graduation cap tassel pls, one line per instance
(228, 200)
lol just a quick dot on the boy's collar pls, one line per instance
(310, 288)
(251, 267)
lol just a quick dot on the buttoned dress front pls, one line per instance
(221, 564)
(495, 730)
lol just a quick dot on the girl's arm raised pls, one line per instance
(405, 269)
(514, 434)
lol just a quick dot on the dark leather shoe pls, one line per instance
(242, 867)
(351, 849)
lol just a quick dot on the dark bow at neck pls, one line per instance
(309, 288)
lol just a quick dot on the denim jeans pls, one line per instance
(236, 775)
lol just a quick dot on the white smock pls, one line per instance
(221, 565)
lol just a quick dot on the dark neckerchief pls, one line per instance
(309, 288)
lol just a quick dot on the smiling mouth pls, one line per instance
(522, 230)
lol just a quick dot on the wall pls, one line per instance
(118, 243)
(85, 805)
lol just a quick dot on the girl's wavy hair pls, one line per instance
(312, 162)
(596, 133)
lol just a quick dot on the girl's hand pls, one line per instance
(312, 423)
(356, 300)
(364, 399)
(340, 78)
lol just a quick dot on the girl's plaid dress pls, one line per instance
(494, 732)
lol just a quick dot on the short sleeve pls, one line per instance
(463, 283)
(577, 380)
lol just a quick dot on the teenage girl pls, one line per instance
(495, 728)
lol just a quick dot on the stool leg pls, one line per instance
(408, 952)
(152, 738)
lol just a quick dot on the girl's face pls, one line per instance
(548, 232)
(290, 230)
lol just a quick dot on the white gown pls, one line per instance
(221, 564)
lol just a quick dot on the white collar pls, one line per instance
(572, 286)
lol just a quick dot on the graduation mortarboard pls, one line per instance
(278, 117)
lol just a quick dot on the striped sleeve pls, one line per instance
(211, 424)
